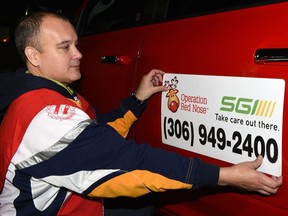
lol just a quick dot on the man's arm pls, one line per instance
(99, 162)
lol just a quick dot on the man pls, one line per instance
(59, 158)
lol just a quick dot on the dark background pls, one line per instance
(9, 58)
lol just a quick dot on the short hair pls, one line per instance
(28, 29)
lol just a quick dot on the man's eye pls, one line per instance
(64, 47)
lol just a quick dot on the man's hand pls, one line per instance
(244, 175)
(150, 84)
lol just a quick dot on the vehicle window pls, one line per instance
(67, 7)
(184, 8)
(109, 15)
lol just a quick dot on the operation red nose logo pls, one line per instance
(173, 100)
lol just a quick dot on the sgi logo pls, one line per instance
(248, 106)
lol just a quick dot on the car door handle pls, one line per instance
(121, 60)
(263, 56)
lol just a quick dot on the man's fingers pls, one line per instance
(271, 185)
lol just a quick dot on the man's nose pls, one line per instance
(77, 53)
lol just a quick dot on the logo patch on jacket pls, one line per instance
(60, 112)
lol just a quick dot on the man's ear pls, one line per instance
(32, 55)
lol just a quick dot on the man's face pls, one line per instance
(59, 58)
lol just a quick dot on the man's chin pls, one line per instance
(76, 78)
(76, 75)
(73, 79)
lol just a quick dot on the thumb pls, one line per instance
(159, 89)
(257, 162)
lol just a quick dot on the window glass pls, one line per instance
(109, 15)
(67, 7)
(184, 8)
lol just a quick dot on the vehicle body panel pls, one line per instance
(105, 84)
(222, 44)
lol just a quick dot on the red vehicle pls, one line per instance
(122, 40)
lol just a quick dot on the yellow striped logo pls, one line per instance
(265, 108)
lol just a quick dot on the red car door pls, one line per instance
(222, 44)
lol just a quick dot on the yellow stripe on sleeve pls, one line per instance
(137, 183)
(122, 125)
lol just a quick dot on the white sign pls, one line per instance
(233, 119)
